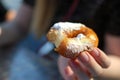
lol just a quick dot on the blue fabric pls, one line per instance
(25, 66)
(28, 65)
(32, 43)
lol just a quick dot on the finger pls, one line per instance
(80, 70)
(65, 69)
(100, 57)
(69, 74)
(93, 67)
(80, 66)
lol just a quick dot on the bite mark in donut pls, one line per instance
(71, 39)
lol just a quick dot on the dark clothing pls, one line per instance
(107, 20)
(113, 14)
(76, 11)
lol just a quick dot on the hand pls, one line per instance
(88, 65)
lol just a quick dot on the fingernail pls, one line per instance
(84, 57)
(95, 52)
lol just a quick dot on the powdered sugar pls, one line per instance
(67, 26)
(76, 45)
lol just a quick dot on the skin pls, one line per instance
(94, 64)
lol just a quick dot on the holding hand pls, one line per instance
(88, 65)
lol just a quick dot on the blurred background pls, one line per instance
(12, 4)
(23, 60)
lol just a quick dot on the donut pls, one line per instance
(70, 39)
